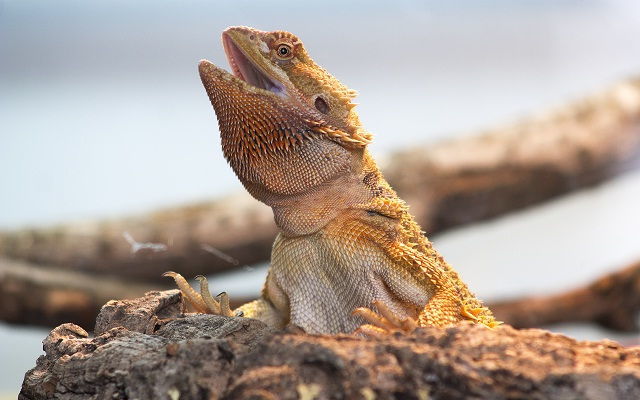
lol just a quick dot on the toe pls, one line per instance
(213, 307)
(193, 298)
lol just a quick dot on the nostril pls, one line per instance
(252, 37)
(321, 105)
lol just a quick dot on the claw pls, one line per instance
(212, 305)
(192, 296)
(408, 324)
(224, 305)
(202, 302)
(371, 331)
(370, 316)
(387, 313)
(383, 322)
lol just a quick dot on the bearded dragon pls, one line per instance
(348, 254)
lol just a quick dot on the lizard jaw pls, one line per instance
(244, 69)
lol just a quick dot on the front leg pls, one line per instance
(384, 322)
(202, 302)
(262, 309)
(441, 310)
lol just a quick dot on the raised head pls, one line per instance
(279, 63)
(287, 125)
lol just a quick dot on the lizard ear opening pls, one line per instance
(321, 105)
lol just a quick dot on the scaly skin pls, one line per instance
(291, 134)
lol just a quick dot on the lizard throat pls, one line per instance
(244, 69)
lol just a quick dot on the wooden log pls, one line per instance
(195, 239)
(147, 350)
(448, 184)
(612, 301)
(36, 295)
(509, 168)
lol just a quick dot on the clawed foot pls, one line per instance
(383, 322)
(202, 302)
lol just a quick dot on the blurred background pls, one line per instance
(102, 114)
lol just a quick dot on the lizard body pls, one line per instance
(291, 134)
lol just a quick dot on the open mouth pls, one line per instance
(244, 69)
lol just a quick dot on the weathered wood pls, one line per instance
(448, 184)
(195, 239)
(148, 356)
(612, 301)
(32, 295)
(518, 165)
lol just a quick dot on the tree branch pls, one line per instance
(518, 165)
(612, 301)
(49, 296)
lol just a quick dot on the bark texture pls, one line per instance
(453, 183)
(146, 349)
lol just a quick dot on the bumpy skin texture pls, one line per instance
(290, 132)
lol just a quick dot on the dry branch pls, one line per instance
(475, 178)
(199, 239)
(613, 302)
(453, 183)
(144, 349)
(32, 295)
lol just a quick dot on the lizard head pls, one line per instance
(286, 124)
(279, 63)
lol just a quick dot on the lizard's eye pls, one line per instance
(284, 52)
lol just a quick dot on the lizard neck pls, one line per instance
(310, 211)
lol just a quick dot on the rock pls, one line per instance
(146, 349)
